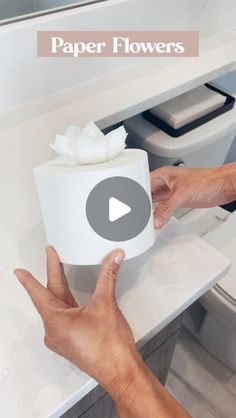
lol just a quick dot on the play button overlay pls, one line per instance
(118, 209)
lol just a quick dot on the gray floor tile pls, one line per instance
(209, 362)
(184, 394)
(199, 381)
(231, 385)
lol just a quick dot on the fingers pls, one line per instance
(166, 209)
(41, 297)
(161, 176)
(105, 289)
(160, 191)
(168, 194)
(57, 282)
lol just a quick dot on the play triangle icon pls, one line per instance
(117, 209)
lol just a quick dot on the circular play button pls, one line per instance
(118, 209)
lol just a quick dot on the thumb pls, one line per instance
(165, 210)
(105, 289)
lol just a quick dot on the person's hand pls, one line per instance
(98, 340)
(176, 187)
(96, 337)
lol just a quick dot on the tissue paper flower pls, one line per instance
(89, 145)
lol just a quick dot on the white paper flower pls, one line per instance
(89, 145)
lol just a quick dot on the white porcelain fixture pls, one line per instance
(217, 332)
(207, 145)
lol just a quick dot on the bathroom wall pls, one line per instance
(24, 77)
(217, 16)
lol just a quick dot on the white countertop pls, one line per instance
(152, 290)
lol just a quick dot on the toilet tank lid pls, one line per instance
(223, 239)
(152, 139)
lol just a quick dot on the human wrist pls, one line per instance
(145, 396)
(131, 388)
(118, 379)
(229, 181)
(137, 392)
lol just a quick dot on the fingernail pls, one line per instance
(16, 273)
(119, 258)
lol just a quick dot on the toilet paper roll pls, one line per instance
(63, 194)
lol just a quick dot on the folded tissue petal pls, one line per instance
(89, 145)
(72, 132)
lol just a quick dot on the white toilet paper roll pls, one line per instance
(63, 192)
